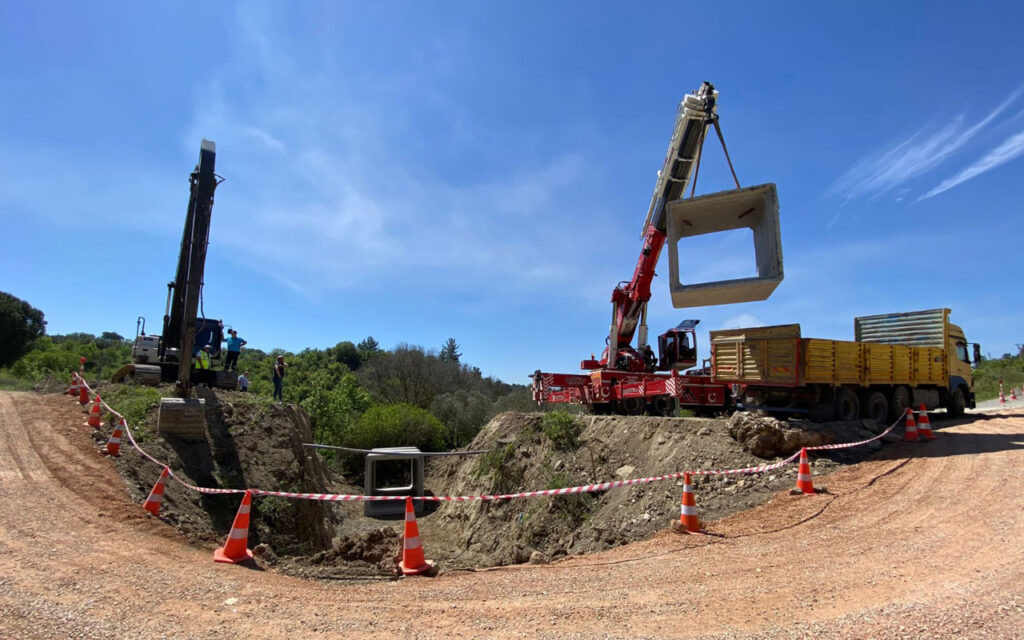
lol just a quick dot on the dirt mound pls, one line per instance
(767, 437)
(250, 443)
(523, 457)
(373, 553)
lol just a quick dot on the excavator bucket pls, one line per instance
(756, 208)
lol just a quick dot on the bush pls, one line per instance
(562, 429)
(134, 403)
(396, 425)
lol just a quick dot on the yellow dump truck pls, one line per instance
(896, 361)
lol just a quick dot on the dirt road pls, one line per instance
(924, 542)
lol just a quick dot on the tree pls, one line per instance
(20, 325)
(450, 351)
(368, 346)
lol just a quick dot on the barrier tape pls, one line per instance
(589, 488)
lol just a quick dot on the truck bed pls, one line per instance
(779, 356)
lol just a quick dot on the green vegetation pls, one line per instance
(562, 429)
(134, 403)
(356, 395)
(1009, 369)
(20, 325)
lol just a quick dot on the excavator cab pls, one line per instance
(677, 348)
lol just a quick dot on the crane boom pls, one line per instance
(695, 114)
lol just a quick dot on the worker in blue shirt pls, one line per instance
(234, 350)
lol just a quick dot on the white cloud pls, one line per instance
(1011, 148)
(742, 321)
(914, 156)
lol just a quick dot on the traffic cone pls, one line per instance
(156, 496)
(83, 393)
(413, 563)
(688, 520)
(95, 417)
(113, 447)
(924, 425)
(910, 427)
(73, 389)
(235, 550)
(1013, 393)
(1002, 396)
(804, 484)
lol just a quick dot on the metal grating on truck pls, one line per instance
(916, 328)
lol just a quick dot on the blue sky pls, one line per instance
(414, 171)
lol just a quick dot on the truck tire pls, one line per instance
(956, 403)
(632, 406)
(899, 402)
(847, 405)
(876, 407)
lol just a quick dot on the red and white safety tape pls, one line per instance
(589, 488)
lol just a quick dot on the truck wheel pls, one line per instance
(847, 405)
(899, 402)
(631, 406)
(876, 407)
(956, 403)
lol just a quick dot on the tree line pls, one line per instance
(356, 394)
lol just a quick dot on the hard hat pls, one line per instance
(206, 348)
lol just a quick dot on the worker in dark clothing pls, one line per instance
(279, 368)
(649, 358)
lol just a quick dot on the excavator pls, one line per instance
(157, 358)
(633, 380)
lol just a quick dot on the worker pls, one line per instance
(243, 381)
(649, 358)
(279, 368)
(234, 350)
(202, 364)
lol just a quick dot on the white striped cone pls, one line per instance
(688, 519)
(156, 496)
(113, 447)
(413, 562)
(235, 549)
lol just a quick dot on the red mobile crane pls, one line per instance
(631, 380)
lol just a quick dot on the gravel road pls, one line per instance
(923, 541)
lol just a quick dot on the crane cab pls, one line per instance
(677, 348)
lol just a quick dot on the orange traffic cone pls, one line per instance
(413, 563)
(156, 496)
(113, 447)
(235, 550)
(83, 393)
(688, 520)
(73, 389)
(924, 424)
(1013, 393)
(95, 417)
(804, 484)
(910, 427)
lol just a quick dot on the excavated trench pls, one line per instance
(253, 443)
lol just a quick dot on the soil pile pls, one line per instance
(249, 443)
(523, 457)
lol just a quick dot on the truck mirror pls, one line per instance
(977, 353)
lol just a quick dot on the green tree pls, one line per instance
(20, 325)
(450, 351)
(397, 425)
(368, 347)
(464, 412)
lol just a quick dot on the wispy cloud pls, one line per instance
(1012, 147)
(920, 153)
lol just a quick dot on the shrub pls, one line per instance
(563, 429)
(396, 425)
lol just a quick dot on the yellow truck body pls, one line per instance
(902, 357)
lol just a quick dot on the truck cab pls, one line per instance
(961, 375)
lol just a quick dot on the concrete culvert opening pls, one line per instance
(254, 444)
